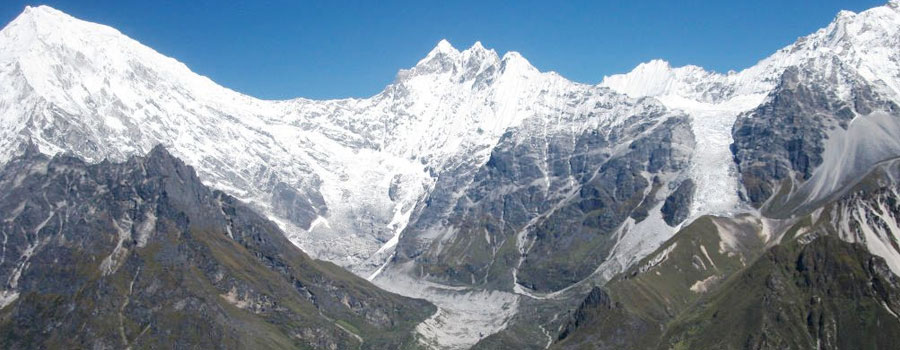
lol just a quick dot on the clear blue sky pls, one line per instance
(330, 49)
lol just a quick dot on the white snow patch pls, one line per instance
(659, 258)
(711, 262)
(7, 297)
(319, 220)
(111, 263)
(728, 241)
(233, 298)
(703, 285)
(888, 309)
(147, 227)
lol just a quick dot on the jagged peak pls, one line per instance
(867, 29)
(445, 58)
(847, 29)
(445, 50)
(842, 14)
(656, 63)
(478, 50)
(514, 60)
(443, 47)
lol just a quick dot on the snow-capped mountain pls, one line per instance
(853, 47)
(342, 176)
(862, 41)
(820, 113)
(475, 180)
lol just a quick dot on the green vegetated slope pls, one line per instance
(742, 283)
(827, 294)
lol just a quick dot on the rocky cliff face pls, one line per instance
(779, 146)
(141, 254)
(545, 207)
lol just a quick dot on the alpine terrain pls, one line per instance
(476, 201)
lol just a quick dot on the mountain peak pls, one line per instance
(38, 11)
(51, 28)
(443, 47)
(513, 60)
(45, 19)
(445, 58)
(650, 78)
(845, 14)
(479, 54)
(43, 10)
(656, 63)
(53, 50)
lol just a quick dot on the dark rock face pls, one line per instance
(549, 194)
(677, 206)
(612, 327)
(573, 240)
(596, 299)
(781, 142)
(142, 255)
(299, 208)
